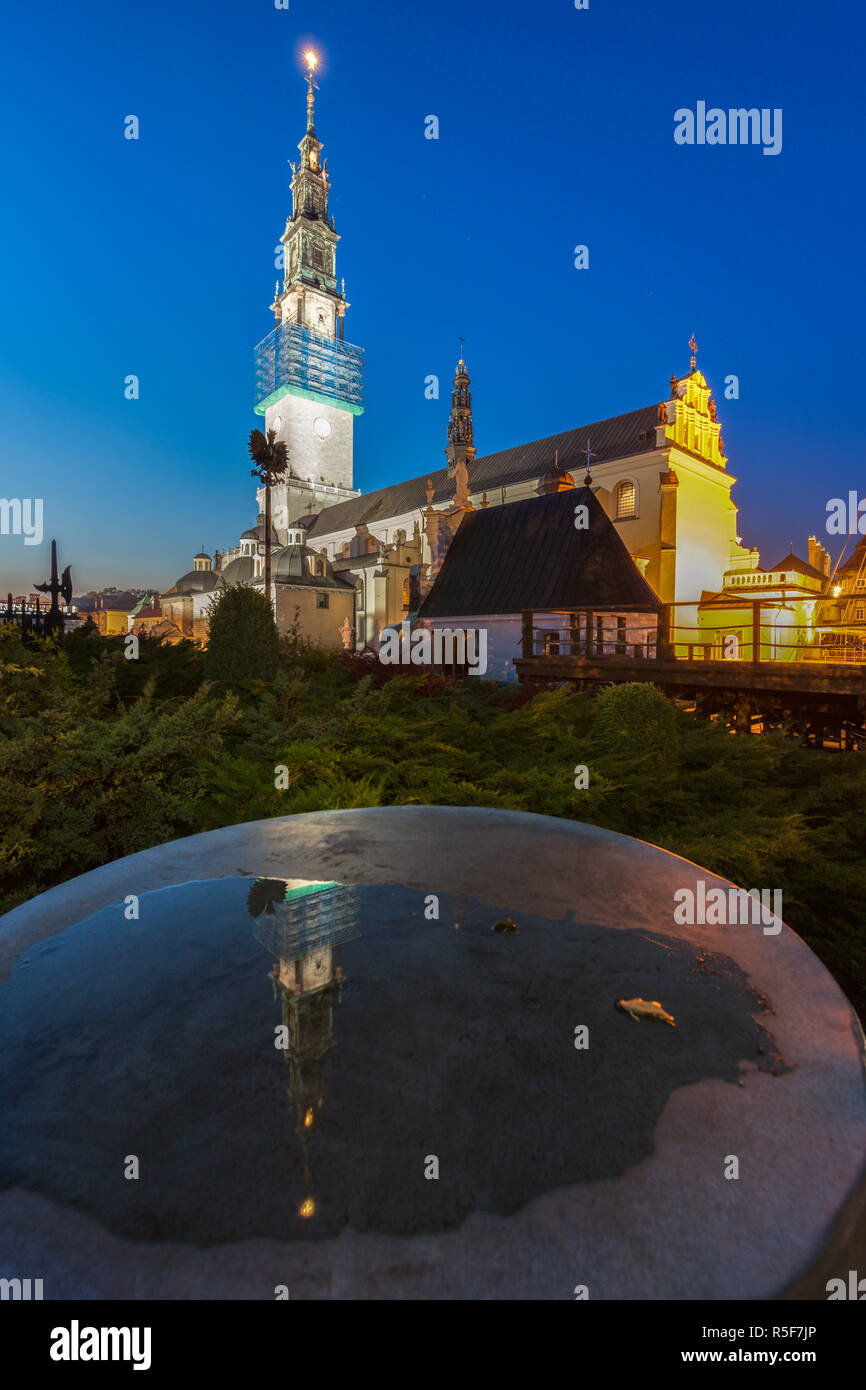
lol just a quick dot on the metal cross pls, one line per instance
(589, 455)
(694, 347)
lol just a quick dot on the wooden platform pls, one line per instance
(693, 677)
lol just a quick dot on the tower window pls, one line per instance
(626, 501)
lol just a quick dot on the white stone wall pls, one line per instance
(312, 457)
(320, 314)
(503, 640)
(505, 636)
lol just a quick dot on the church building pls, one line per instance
(659, 472)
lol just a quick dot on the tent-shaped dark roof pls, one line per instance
(619, 437)
(530, 555)
(792, 564)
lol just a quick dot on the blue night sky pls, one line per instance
(156, 257)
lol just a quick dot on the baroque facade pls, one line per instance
(351, 564)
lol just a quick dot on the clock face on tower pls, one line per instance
(322, 427)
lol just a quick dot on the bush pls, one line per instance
(637, 718)
(243, 644)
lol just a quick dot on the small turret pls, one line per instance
(460, 449)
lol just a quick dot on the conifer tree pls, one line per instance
(243, 643)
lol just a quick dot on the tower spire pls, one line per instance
(460, 449)
(311, 59)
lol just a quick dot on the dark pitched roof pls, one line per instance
(794, 563)
(615, 438)
(855, 559)
(312, 581)
(530, 554)
(357, 562)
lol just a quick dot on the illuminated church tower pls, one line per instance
(309, 380)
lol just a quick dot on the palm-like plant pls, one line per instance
(271, 458)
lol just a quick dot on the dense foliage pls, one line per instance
(243, 643)
(101, 756)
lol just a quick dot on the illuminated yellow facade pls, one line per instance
(682, 531)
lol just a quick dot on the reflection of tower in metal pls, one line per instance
(303, 925)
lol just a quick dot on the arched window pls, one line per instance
(406, 594)
(626, 501)
(372, 545)
(346, 551)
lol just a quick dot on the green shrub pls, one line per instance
(100, 757)
(637, 718)
(243, 644)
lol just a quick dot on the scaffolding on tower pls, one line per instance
(294, 360)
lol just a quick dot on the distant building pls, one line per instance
(110, 613)
(145, 616)
(304, 588)
(185, 605)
